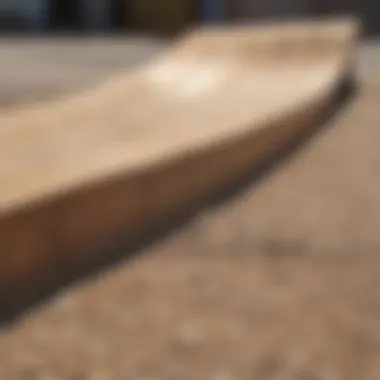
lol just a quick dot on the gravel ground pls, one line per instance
(277, 283)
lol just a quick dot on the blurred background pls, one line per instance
(164, 16)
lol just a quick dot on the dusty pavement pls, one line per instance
(280, 282)
(37, 68)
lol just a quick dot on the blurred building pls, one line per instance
(96, 15)
(166, 15)
(368, 10)
(63, 14)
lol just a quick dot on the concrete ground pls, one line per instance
(37, 68)
(277, 283)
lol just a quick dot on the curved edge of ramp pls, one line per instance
(48, 242)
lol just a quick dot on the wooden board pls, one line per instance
(85, 175)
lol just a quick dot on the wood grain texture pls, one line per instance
(84, 175)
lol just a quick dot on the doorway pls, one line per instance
(65, 15)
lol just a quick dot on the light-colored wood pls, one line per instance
(87, 174)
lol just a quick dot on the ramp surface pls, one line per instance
(81, 175)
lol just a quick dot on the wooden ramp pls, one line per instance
(83, 176)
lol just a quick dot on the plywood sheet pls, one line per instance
(84, 175)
